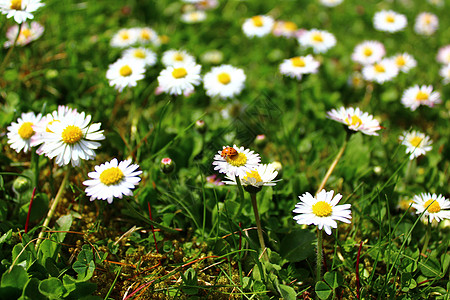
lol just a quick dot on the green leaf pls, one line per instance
(63, 224)
(298, 245)
(16, 278)
(407, 282)
(52, 288)
(334, 279)
(430, 268)
(323, 291)
(31, 291)
(287, 292)
(6, 236)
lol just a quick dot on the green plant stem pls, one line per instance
(427, 237)
(35, 159)
(368, 95)
(10, 50)
(53, 207)
(241, 192)
(319, 255)
(258, 226)
(334, 163)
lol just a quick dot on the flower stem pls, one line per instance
(53, 207)
(427, 237)
(334, 163)
(10, 50)
(258, 226)
(319, 255)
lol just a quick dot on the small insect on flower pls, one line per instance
(228, 151)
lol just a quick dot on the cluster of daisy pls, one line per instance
(238, 163)
(22, 33)
(182, 74)
(195, 11)
(443, 57)
(69, 136)
(375, 67)
(65, 134)
(136, 36)
(319, 40)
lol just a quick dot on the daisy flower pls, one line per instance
(404, 61)
(434, 206)
(42, 126)
(322, 210)
(297, 66)
(179, 78)
(146, 35)
(207, 4)
(124, 38)
(125, 72)
(331, 3)
(426, 23)
(356, 80)
(192, 17)
(321, 41)
(236, 161)
(258, 26)
(263, 175)
(20, 10)
(415, 96)
(285, 28)
(445, 73)
(112, 179)
(145, 56)
(72, 139)
(443, 55)
(416, 143)
(355, 119)
(382, 71)
(26, 36)
(224, 81)
(368, 52)
(20, 132)
(171, 57)
(390, 21)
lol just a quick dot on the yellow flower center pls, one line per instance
(317, 37)
(252, 174)
(124, 35)
(16, 4)
(322, 209)
(290, 26)
(390, 19)
(415, 141)
(26, 33)
(400, 61)
(421, 96)
(257, 21)
(354, 120)
(111, 176)
(71, 134)
(433, 208)
(427, 19)
(224, 78)
(125, 71)
(298, 62)
(178, 57)
(179, 73)
(145, 35)
(139, 53)
(50, 123)
(368, 51)
(379, 68)
(237, 160)
(26, 131)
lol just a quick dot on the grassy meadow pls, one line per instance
(182, 233)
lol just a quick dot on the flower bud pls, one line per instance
(200, 125)
(20, 185)
(167, 165)
(260, 140)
